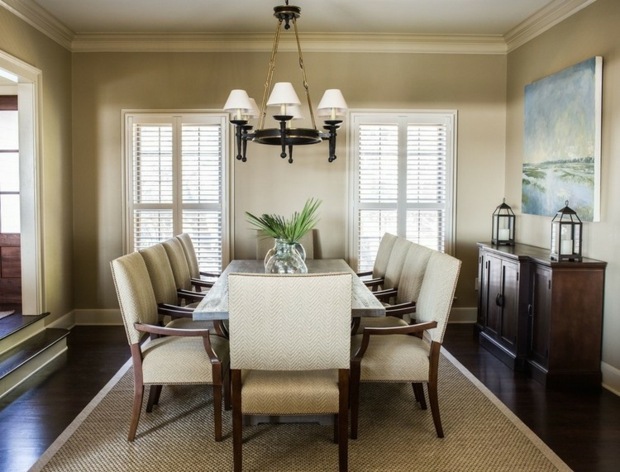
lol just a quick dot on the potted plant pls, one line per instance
(287, 233)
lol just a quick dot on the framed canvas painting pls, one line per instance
(562, 142)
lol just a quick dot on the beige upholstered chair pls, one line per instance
(381, 261)
(180, 267)
(409, 353)
(166, 294)
(192, 260)
(173, 356)
(405, 296)
(396, 262)
(290, 350)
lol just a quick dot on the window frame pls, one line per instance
(176, 118)
(357, 117)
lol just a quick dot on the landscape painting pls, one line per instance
(562, 148)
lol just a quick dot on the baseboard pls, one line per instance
(611, 378)
(98, 317)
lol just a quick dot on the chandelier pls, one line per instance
(286, 105)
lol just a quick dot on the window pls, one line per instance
(9, 165)
(402, 180)
(177, 182)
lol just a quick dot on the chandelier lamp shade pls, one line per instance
(284, 105)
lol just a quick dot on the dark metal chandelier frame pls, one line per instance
(284, 136)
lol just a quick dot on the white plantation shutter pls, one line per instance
(402, 180)
(176, 182)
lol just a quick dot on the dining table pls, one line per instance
(214, 306)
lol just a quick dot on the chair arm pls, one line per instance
(386, 294)
(374, 283)
(368, 332)
(190, 294)
(210, 274)
(364, 274)
(401, 309)
(202, 283)
(174, 310)
(205, 334)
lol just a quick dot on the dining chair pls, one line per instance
(192, 260)
(290, 350)
(167, 295)
(409, 354)
(381, 260)
(402, 312)
(180, 267)
(172, 356)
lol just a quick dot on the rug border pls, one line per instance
(514, 419)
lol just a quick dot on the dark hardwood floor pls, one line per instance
(582, 428)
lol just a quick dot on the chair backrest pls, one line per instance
(396, 262)
(190, 254)
(178, 262)
(160, 272)
(135, 294)
(383, 254)
(437, 292)
(289, 322)
(413, 273)
(264, 243)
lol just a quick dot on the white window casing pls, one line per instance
(402, 180)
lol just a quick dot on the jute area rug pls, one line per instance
(394, 434)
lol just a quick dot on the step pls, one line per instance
(27, 348)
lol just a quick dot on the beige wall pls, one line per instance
(25, 43)
(106, 83)
(591, 32)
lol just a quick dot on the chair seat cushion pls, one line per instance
(181, 360)
(379, 322)
(393, 358)
(289, 392)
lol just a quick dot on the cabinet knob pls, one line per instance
(499, 300)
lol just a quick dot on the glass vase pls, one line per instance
(285, 258)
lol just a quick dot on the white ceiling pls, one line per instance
(437, 17)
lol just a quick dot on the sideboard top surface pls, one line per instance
(540, 255)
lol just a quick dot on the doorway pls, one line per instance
(26, 80)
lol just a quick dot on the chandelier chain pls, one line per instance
(269, 79)
(303, 73)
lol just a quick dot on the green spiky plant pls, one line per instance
(290, 230)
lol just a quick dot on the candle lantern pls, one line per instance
(566, 236)
(503, 231)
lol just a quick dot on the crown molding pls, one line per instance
(547, 17)
(41, 20)
(543, 20)
(312, 42)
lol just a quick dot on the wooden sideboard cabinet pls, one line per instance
(540, 315)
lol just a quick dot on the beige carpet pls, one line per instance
(394, 435)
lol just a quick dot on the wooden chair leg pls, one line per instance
(354, 389)
(138, 394)
(418, 391)
(138, 390)
(343, 421)
(154, 393)
(226, 381)
(432, 396)
(217, 411)
(237, 420)
(433, 374)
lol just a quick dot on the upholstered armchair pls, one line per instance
(409, 354)
(381, 260)
(290, 349)
(400, 313)
(180, 269)
(172, 356)
(192, 261)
